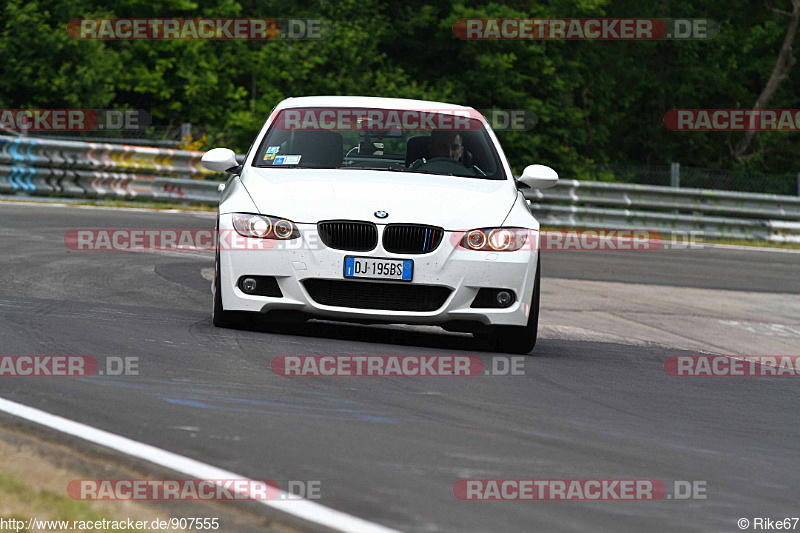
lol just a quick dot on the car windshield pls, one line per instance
(453, 143)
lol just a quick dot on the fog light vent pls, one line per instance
(494, 298)
(504, 298)
(260, 286)
(249, 285)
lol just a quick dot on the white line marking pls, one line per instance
(753, 248)
(78, 203)
(304, 509)
(763, 328)
(710, 245)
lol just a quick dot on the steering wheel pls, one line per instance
(438, 161)
(443, 160)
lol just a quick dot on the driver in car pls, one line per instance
(443, 145)
(446, 144)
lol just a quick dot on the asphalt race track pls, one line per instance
(594, 403)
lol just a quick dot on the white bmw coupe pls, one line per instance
(379, 210)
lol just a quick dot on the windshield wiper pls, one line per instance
(298, 165)
(390, 169)
(403, 169)
(436, 173)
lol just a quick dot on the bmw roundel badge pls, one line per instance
(381, 214)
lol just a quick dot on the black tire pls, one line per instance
(219, 317)
(520, 339)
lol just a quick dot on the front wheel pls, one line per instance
(519, 339)
(219, 317)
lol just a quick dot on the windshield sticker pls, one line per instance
(273, 149)
(269, 157)
(292, 160)
(279, 160)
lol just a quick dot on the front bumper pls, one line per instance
(463, 271)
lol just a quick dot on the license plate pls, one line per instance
(374, 268)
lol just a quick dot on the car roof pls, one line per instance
(368, 102)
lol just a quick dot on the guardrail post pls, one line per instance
(675, 175)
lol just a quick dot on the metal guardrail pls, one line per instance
(668, 198)
(100, 184)
(723, 214)
(54, 153)
(53, 167)
(100, 170)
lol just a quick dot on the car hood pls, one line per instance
(312, 195)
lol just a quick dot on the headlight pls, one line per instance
(495, 239)
(264, 227)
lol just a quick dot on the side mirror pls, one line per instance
(538, 177)
(219, 159)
